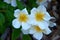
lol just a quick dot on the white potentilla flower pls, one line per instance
(43, 2)
(39, 2)
(37, 31)
(12, 2)
(22, 19)
(7, 1)
(39, 16)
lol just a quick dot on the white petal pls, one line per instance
(43, 24)
(16, 24)
(33, 11)
(41, 8)
(31, 30)
(38, 35)
(25, 11)
(52, 24)
(32, 16)
(25, 31)
(47, 31)
(46, 4)
(16, 12)
(13, 3)
(25, 26)
(32, 20)
(7, 1)
(47, 16)
(47, 13)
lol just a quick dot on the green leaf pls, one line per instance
(9, 17)
(15, 34)
(1, 0)
(20, 4)
(2, 19)
(2, 29)
(3, 5)
(32, 3)
(26, 37)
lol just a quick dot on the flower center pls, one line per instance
(39, 0)
(38, 29)
(23, 17)
(39, 16)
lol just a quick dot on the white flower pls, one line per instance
(22, 19)
(12, 2)
(43, 2)
(39, 16)
(37, 31)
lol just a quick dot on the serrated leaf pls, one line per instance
(26, 37)
(15, 34)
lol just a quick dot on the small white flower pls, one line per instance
(12, 2)
(39, 16)
(7, 1)
(43, 2)
(22, 19)
(37, 31)
(40, 1)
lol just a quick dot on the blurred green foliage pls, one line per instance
(31, 3)
(2, 21)
(15, 34)
(26, 37)
(20, 5)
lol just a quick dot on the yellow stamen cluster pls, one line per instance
(23, 17)
(39, 16)
(37, 28)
